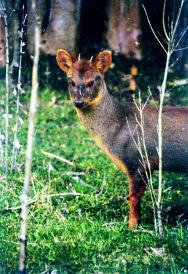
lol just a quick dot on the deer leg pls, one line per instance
(136, 190)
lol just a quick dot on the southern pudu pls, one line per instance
(113, 125)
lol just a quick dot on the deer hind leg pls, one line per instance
(136, 190)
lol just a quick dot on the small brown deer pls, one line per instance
(112, 124)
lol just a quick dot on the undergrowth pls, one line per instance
(86, 233)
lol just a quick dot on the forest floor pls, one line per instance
(87, 233)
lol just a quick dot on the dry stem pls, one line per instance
(54, 156)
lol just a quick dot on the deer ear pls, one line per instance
(64, 60)
(103, 61)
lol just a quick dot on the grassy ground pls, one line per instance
(88, 233)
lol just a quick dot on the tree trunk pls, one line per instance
(58, 25)
(31, 22)
(2, 43)
(14, 26)
(124, 29)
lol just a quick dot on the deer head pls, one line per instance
(85, 77)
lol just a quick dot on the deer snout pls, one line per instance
(79, 103)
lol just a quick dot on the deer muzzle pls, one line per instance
(79, 103)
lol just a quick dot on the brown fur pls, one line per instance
(106, 120)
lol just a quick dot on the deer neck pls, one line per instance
(95, 116)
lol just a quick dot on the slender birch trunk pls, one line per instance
(172, 42)
(160, 142)
(30, 140)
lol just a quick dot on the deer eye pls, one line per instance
(90, 84)
(72, 83)
(97, 78)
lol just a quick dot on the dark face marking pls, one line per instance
(84, 77)
(84, 83)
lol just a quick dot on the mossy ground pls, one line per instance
(88, 233)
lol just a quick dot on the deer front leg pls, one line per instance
(137, 187)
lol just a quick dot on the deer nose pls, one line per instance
(79, 103)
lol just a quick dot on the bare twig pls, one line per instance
(164, 25)
(54, 156)
(173, 64)
(154, 33)
(181, 37)
(174, 28)
(140, 143)
(180, 49)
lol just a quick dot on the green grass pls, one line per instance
(85, 234)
